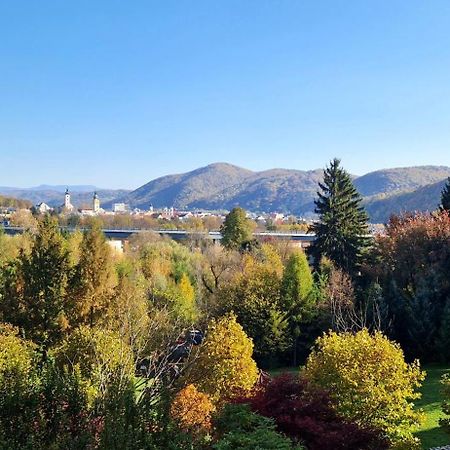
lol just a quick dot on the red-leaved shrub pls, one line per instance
(305, 414)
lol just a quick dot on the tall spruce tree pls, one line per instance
(445, 196)
(341, 232)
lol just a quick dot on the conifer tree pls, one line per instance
(341, 232)
(445, 196)
(296, 290)
(236, 229)
(41, 286)
(93, 278)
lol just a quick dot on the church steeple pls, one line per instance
(67, 203)
(95, 203)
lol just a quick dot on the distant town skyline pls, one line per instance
(115, 94)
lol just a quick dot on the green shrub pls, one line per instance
(240, 428)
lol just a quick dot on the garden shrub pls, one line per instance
(369, 381)
(18, 389)
(192, 410)
(445, 383)
(240, 428)
(224, 365)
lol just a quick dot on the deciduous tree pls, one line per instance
(236, 229)
(369, 381)
(225, 365)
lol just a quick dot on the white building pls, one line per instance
(43, 208)
(120, 207)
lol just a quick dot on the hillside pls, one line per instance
(11, 202)
(426, 198)
(185, 190)
(403, 179)
(54, 196)
(223, 186)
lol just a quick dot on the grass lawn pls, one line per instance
(430, 433)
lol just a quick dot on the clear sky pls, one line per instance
(115, 93)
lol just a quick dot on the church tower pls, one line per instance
(95, 203)
(67, 203)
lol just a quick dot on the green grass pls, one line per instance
(430, 433)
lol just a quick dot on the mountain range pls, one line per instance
(221, 186)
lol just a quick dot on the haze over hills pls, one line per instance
(221, 186)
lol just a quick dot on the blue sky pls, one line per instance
(115, 93)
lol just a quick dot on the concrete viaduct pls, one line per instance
(299, 239)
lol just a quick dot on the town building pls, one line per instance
(43, 208)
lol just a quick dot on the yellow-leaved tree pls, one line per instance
(224, 365)
(99, 356)
(369, 381)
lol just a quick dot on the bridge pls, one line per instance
(298, 239)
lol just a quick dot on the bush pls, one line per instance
(192, 410)
(445, 382)
(100, 356)
(305, 414)
(240, 428)
(369, 381)
(18, 389)
(225, 365)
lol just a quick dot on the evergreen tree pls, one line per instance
(41, 286)
(341, 232)
(93, 278)
(445, 197)
(296, 290)
(236, 229)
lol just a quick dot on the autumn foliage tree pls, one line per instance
(254, 296)
(93, 279)
(412, 266)
(369, 381)
(236, 229)
(224, 365)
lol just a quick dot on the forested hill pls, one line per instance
(425, 198)
(11, 202)
(223, 186)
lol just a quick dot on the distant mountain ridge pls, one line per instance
(54, 195)
(221, 186)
